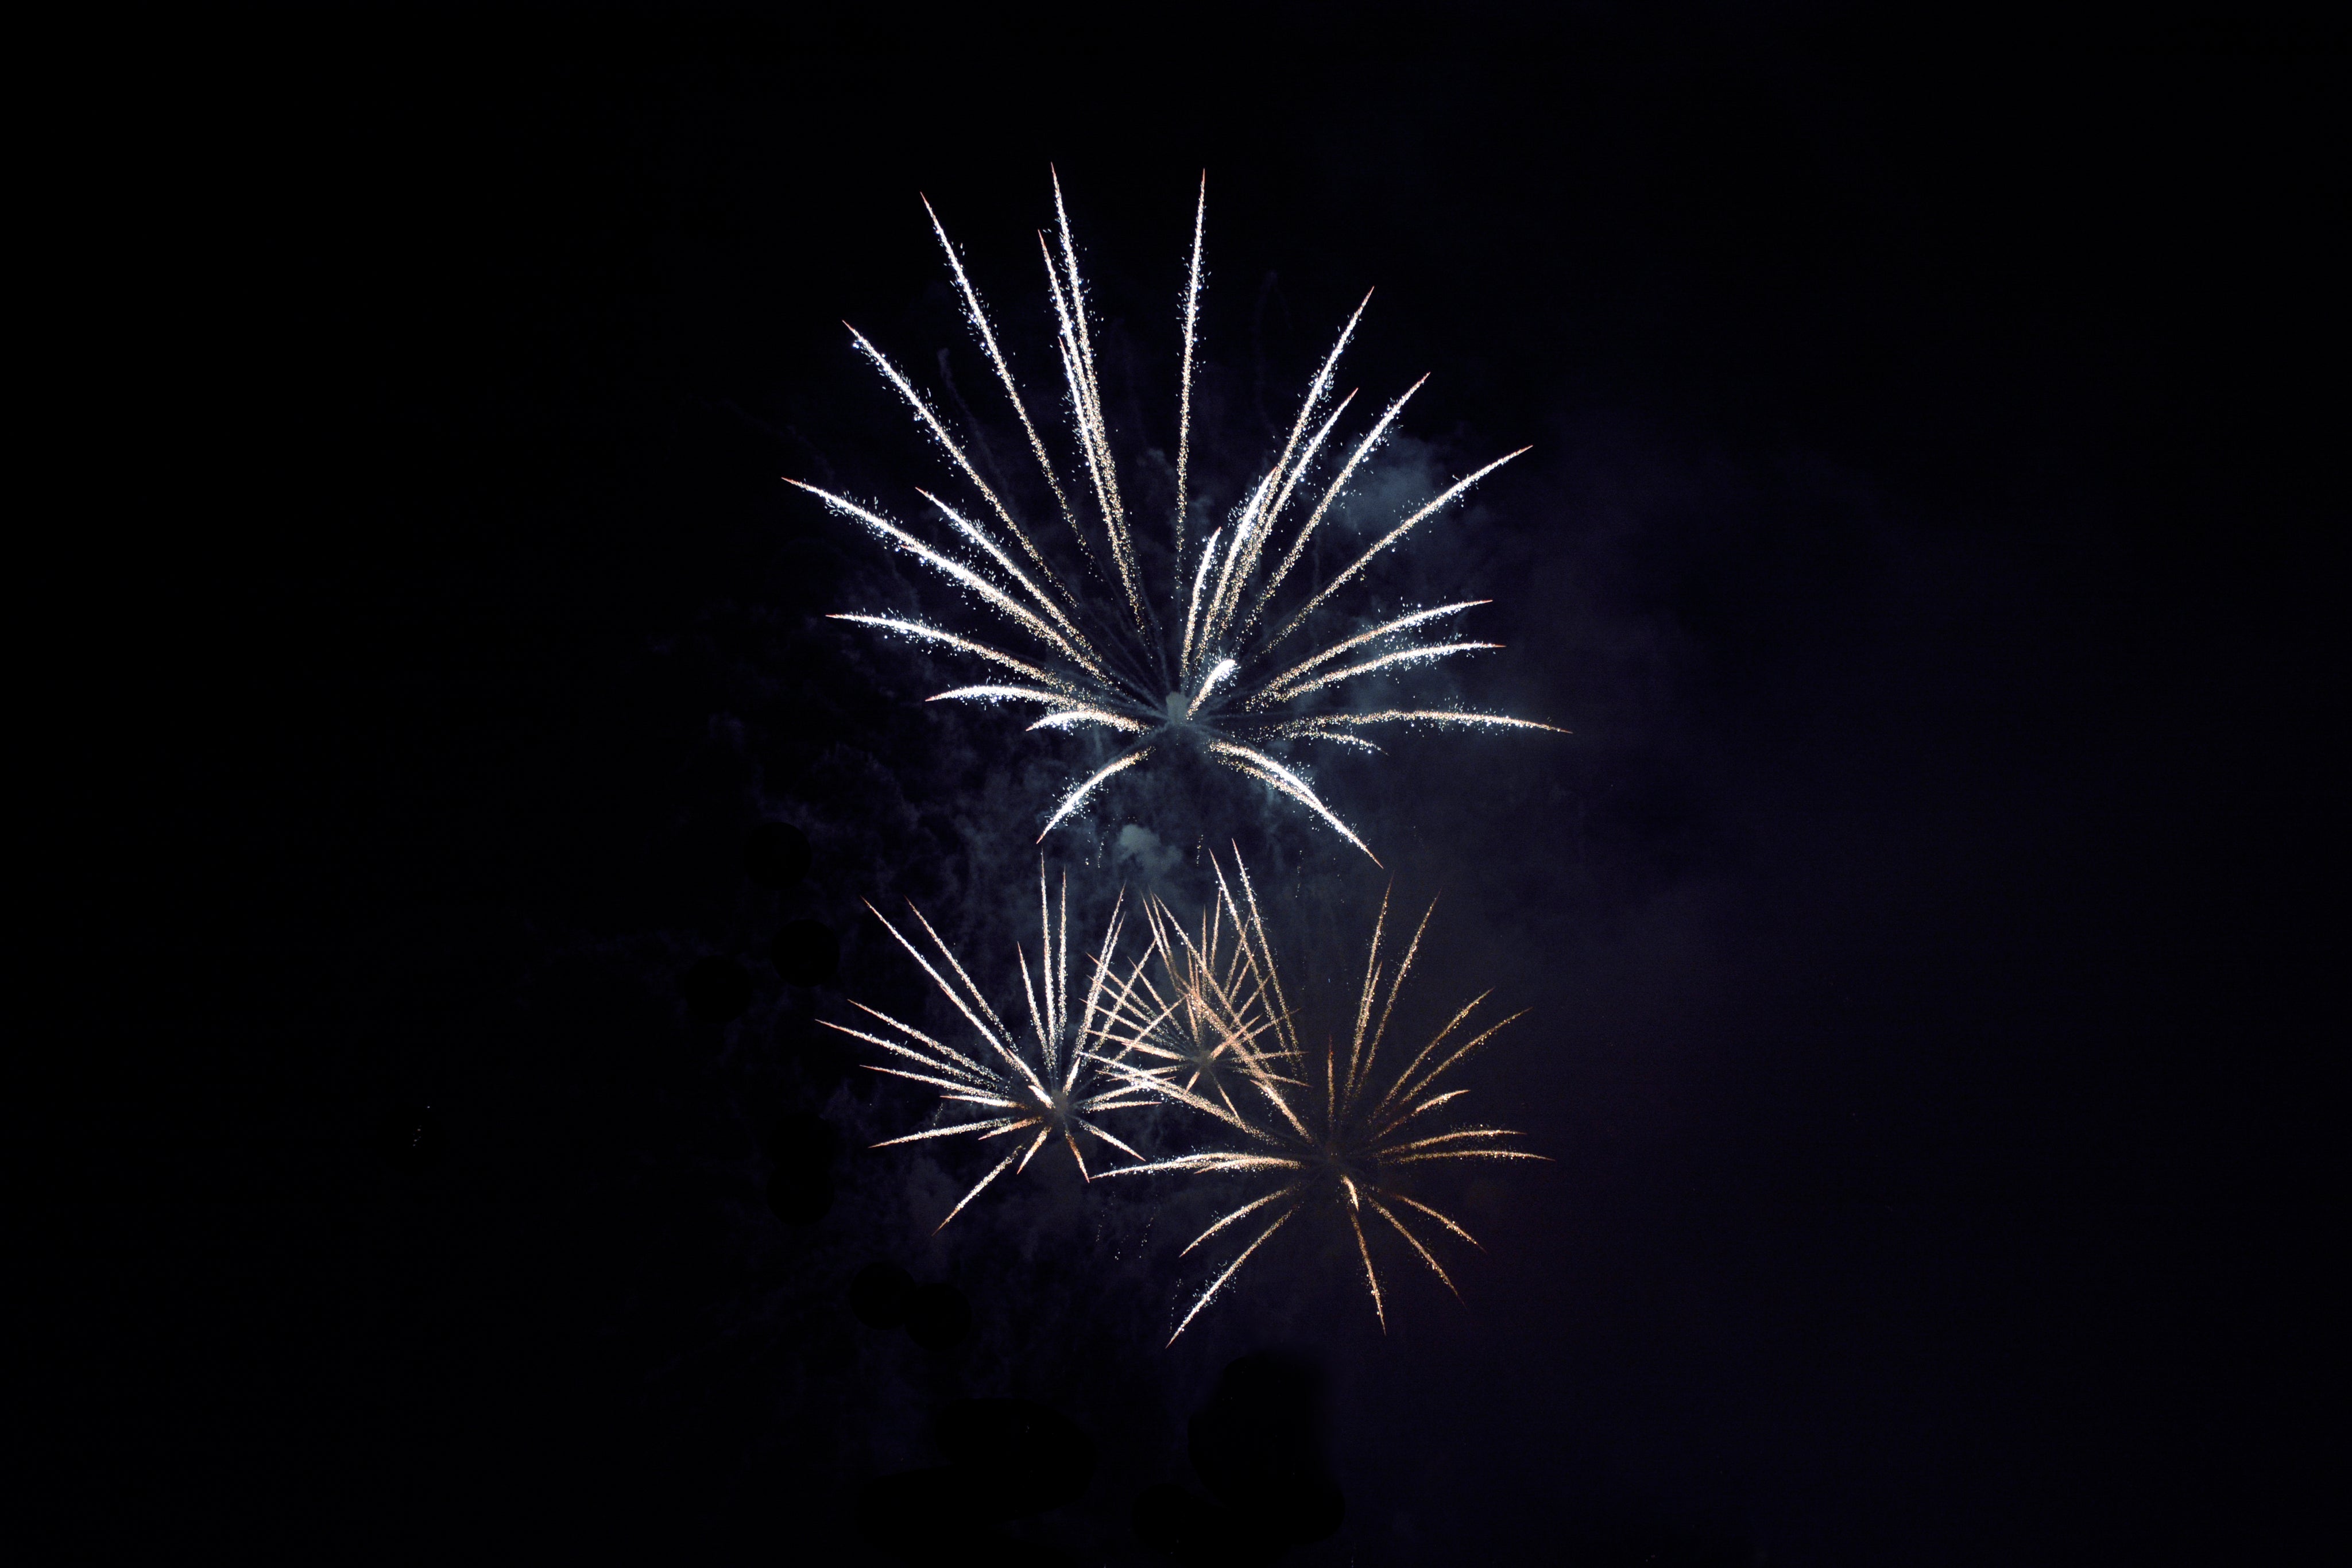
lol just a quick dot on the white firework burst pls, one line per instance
(1216, 657)
(1044, 1082)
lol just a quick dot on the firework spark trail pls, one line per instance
(1328, 726)
(1401, 657)
(1328, 1139)
(1101, 659)
(922, 409)
(1072, 800)
(1363, 449)
(1086, 392)
(979, 318)
(1076, 651)
(1251, 540)
(1299, 616)
(1067, 718)
(921, 632)
(1057, 1092)
(979, 536)
(1185, 379)
(1277, 688)
(1258, 765)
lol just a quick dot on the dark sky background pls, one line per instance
(1930, 539)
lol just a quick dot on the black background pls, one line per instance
(1931, 538)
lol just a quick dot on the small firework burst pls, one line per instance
(1344, 1135)
(1200, 1025)
(1043, 1081)
(1204, 660)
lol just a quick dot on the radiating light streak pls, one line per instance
(1070, 801)
(1185, 377)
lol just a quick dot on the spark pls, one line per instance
(1043, 1080)
(1338, 1134)
(1102, 649)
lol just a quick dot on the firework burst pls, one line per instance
(1343, 1134)
(1045, 1081)
(1217, 658)
(1200, 1026)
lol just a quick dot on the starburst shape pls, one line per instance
(1032, 1086)
(1218, 657)
(1344, 1134)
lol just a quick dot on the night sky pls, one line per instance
(1930, 539)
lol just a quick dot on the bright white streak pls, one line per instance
(1003, 1035)
(959, 572)
(1252, 517)
(1284, 468)
(998, 694)
(966, 1197)
(915, 629)
(1070, 801)
(953, 1088)
(908, 1029)
(1401, 657)
(1054, 1003)
(1389, 538)
(1402, 622)
(1184, 381)
(1122, 547)
(1002, 1123)
(1291, 784)
(1042, 1027)
(1311, 726)
(961, 1080)
(907, 391)
(1315, 392)
(1231, 1270)
(1102, 972)
(1081, 406)
(979, 536)
(1224, 667)
(1070, 719)
(1028, 1101)
(993, 1030)
(1004, 371)
(1192, 612)
(1330, 494)
(1257, 540)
